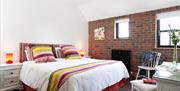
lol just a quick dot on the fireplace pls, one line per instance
(122, 55)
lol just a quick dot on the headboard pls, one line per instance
(23, 45)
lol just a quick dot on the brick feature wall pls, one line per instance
(142, 37)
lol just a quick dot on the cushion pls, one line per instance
(69, 52)
(140, 85)
(43, 54)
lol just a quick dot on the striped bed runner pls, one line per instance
(58, 77)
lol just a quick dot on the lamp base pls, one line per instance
(9, 62)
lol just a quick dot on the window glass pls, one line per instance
(173, 21)
(164, 38)
(122, 28)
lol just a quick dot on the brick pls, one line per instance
(142, 37)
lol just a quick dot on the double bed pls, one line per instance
(83, 74)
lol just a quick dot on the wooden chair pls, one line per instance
(148, 62)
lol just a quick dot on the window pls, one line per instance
(166, 23)
(121, 28)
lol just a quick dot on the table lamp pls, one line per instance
(9, 58)
(81, 53)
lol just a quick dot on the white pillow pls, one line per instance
(58, 52)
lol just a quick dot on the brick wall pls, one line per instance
(142, 37)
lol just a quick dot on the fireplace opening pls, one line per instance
(122, 55)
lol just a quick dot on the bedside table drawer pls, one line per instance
(11, 73)
(9, 76)
(11, 82)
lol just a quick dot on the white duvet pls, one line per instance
(36, 75)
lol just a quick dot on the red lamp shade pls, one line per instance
(9, 58)
(81, 53)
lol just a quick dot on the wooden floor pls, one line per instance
(127, 87)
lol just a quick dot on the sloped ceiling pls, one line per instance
(99, 9)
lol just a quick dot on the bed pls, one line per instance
(97, 75)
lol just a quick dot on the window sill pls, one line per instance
(164, 48)
(121, 38)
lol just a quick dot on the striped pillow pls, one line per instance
(43, 54)
(69, 52)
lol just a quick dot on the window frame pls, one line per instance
(116, 28)
(158, 32)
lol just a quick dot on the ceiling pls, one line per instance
(99, 9)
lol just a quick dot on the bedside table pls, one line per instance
(9, 76)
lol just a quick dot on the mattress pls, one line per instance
(36, 75)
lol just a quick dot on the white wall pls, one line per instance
(41, 21)
(0, 27)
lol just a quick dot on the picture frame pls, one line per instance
(99, 33)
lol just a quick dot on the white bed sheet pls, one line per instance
(36, 75)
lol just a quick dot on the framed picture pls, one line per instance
(99, 33)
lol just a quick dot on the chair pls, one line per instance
(148, 62)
